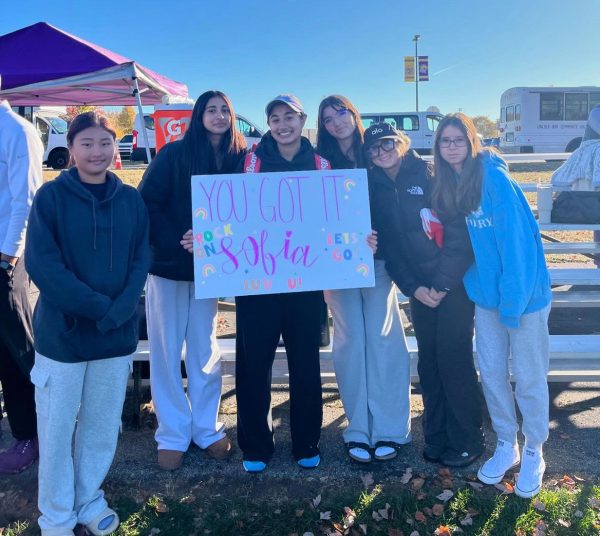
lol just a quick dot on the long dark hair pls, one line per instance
(449, 195)
(198, 155)
(88, 120)
(328, 146)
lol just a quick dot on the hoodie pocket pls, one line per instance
(40, 376)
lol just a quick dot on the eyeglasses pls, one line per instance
(341, 112)
(386, 145)
(446, 143)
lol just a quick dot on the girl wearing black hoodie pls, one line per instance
(261, 320)
(210, 145)
(87, 252)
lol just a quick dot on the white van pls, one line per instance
(419, 126)
(249, 130)
(52, 130)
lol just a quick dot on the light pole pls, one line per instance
(416, 40)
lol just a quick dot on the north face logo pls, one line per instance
(415, 190)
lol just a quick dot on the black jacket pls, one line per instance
(90, 260)
(411, 258)
(167, 191)
(271, 159)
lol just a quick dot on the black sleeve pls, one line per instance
(456, 256)
(156, 189)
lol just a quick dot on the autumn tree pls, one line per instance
(73, 111)
(125, 118)
(486, 126)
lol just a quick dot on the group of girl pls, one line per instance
(459, 240)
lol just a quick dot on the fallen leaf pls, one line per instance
(538, 505)
(299, 512)
(405, 479)
(567, 482)
(325, 516)
(316, 501)
(417, 483)
(428, 511)
(414, 533)
(445, 496)
(565, 436)
(505, 487)
(363, 528)
(475, 485)
(421, 495)
(188, 499)
(420, 517)
(376, 516)
(564, 523)
(308, 534)
(466, 521)
(539, 529)
(395, 532)
(443, 530)
(367, 479)
(349, 517)
(578, 513)
(447, 483)
(161, 507)
(593, 502)
(578, 478)
(444, 472)
(438, 509)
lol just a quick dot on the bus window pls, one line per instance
(594, 100)
(432, 122)
(149, 122)
(246, 128)
(510, 136)
(510, 114)
(503, 115)
(551, 106)
(369, 120)
(517, 112)
(576, 106)
(391, 120)
(408, 122)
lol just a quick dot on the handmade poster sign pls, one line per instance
(263, 233)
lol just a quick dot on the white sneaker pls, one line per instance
(506, 456)
(530, 477)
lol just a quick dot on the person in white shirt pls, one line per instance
(21, 153)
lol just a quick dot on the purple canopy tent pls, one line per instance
(42, 65)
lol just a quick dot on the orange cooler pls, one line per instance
(170, 122)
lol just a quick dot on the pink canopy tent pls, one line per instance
(43, 65)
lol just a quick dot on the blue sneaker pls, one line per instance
(254, 466)
(310, 463)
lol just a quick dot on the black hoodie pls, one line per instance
(90, 260)
(411, 258)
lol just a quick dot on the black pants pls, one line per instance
(260, 322)
(452, 416)
(16, 352)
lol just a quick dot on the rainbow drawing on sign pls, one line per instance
(349, 184)
(200, 212)
(208, 269)
(363, 269)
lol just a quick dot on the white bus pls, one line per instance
(545, 119)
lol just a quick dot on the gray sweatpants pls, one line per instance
(85, 399)
(371, 362)
(528, 348)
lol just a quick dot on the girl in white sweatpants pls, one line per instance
(371, 361)
(87, 252)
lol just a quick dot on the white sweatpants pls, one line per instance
(174, 315)
(528, 346)
(86, 399)
(371, 362)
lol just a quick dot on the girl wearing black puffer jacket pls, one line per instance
(428, 267)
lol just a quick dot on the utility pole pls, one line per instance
(416, 40)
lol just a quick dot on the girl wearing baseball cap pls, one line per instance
(369, 353)
(429, 268)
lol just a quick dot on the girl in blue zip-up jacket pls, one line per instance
(510, 286)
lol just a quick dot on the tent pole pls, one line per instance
(138, 97)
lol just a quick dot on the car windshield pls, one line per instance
(60, 125)
(128, 138)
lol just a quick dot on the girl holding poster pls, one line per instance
(262, 319)
(210, 145)
(429, 269)
(87, 252)
(510, 286)
(372, 364)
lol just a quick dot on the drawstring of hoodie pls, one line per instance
(111, 237)
(95, 223)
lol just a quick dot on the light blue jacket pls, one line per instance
(510, 272)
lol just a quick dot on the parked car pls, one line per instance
(491, 142)
(126, 146)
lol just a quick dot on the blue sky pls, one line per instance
(255, 49)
